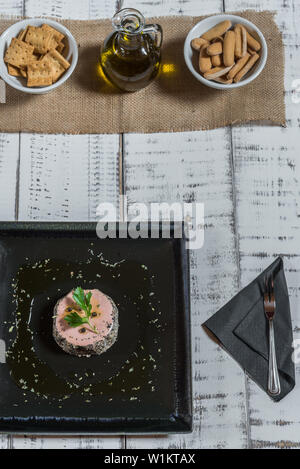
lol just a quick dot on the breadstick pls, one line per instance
(228, 49)
(224, 81)
(218, 39)
(248, 66)
(204, 60)
(253, 43)
(198, 43)
(215, 49)
(216, 60)
(244, 41)
(238, 66)
(216, 72)
(238, 41)
(217, 30)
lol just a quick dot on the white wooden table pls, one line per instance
(248, 178)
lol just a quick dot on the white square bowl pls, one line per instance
(19, 83)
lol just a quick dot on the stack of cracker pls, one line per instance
(36, 54)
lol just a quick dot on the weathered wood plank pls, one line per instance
(196, 167)
(267, 175)
(286, 17)
(5, 442)
(175, 7)
(101, 442)
(64, 177)
(75, 9)
(173, 185)
(9, 154)
(176, 167)
(103, 9)
(11, 7)
(9, 143)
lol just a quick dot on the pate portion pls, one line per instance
(82, 340)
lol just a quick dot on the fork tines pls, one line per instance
(269, 297)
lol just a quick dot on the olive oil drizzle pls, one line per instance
(36, 378)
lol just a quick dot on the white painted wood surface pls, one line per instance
(266, 176)
(82, 169)
(196, 167)
(9, 155)
(41, 191)
(248, 178)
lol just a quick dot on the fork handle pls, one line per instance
(273, 382)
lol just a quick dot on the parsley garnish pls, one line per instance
(84, 302)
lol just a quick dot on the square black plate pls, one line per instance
(143, 383)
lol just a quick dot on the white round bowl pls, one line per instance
(202, 27)
(20, 83)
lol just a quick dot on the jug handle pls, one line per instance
(157, 30)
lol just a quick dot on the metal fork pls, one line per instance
(270, 308)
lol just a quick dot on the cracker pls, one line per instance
(39, 38)
(23, 72)
(22, 34)
(56, 34)
(57, 70)
(39, 74)
(13, 71)
(60, 47)
(59, 58)
(53, 44)
(57, 63)
(19, 53)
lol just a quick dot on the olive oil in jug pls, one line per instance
(131, 55)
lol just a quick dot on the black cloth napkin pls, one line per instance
(242, 329)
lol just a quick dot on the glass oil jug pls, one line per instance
(131, 54)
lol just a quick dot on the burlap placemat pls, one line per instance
(176, 101)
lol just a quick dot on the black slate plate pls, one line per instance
(143, 383)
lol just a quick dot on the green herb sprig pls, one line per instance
(84, 302)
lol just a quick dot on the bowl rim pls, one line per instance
(63, 79)
(221, 86)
